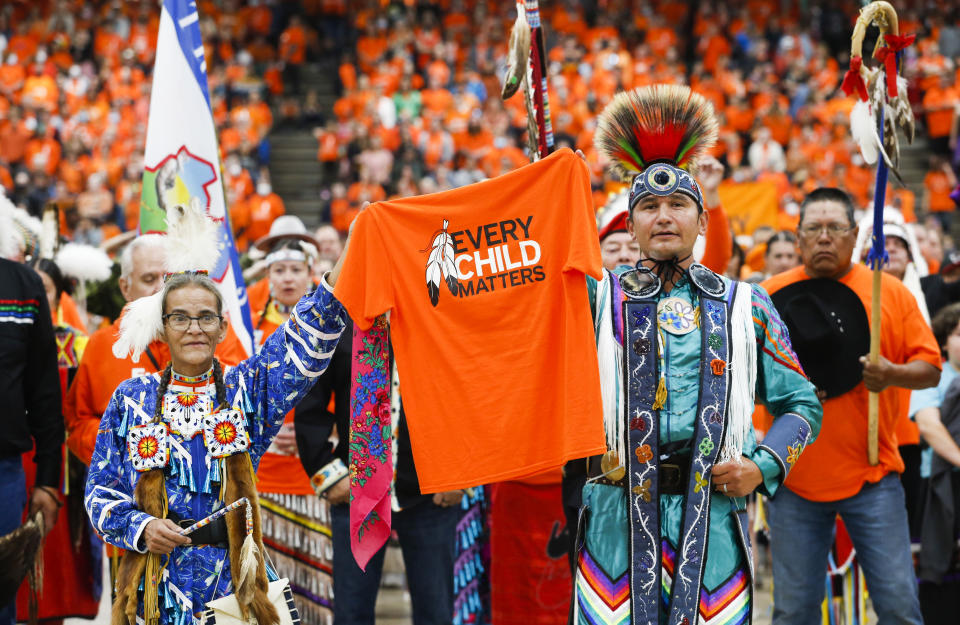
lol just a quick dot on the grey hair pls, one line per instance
(144, 240)
(189, 278)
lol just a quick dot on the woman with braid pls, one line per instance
(175, 447)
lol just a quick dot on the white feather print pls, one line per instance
(441, 266)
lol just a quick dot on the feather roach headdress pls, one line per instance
(191, 245)
(653, 136)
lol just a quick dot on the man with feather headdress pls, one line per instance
(683, 353)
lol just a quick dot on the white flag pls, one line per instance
(182, 158)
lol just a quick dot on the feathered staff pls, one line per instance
(882, 109)
(527, 68)
(20, 555)
(440, 265)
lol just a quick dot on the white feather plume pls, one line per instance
(50, 231)
(19, 230)
(863, 127)
(84, 262)
(743, 375)
(9, 236)
(192, 240)
(246, 579)
(140, 325)
(441, 266)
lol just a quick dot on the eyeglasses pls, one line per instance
(833, 230)
(181, 322)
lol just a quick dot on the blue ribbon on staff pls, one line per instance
(877, 257)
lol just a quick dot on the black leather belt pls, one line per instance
(674, 474)
(214, 533)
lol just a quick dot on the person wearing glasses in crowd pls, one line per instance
(174, 448)
(825, 303)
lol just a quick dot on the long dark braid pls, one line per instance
(161, 391)
(220, 385)
(266, 307)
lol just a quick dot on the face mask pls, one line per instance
(500, 143)
(263, 188)
(234, 169)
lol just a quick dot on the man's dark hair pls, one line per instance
(944, 323)
(828, 194)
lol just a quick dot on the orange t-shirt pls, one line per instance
(502, 374)
(279, 473)
(939, 103)
(938, 188)
(483, 374)
(835, 465)
(263, 210)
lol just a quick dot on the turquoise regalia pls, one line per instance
(653, 552)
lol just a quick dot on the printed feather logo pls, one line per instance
(440, 265)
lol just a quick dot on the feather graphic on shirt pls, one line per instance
(440, 265)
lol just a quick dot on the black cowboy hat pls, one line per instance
(829, 331)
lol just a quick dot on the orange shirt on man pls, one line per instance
(937, 187)
(835, 466)
(263, 210)
(939, 104)
(293, 45)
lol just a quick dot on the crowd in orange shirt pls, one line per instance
(420, 107)
(75, 79)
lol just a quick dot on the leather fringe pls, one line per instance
(151, 497)
(241, 482)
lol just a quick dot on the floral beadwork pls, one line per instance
(714, 340)
(793, 453)
(225, 434)
(641, 316)
(644, 453)
(643, 490)
(676, 316)
(716, 313)
(706, 446)
(701, 482)
(148, 446)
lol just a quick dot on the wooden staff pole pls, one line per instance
(873, 399)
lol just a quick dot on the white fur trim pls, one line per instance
(743, 373)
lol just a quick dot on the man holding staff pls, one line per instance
(834, 476)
